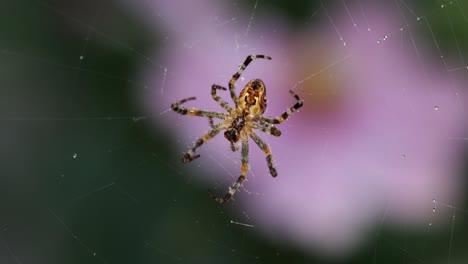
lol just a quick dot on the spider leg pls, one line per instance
(218, 99)
(244, 168)
(235, 77)
(269, 158)
(194, 111)
(271, 130)
(210, 121)
(285, 115)
(191, 153)
(234, 147)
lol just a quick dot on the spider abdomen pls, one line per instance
(253, 97)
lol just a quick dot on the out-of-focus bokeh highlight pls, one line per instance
(371, 169)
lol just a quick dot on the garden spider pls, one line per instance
(239, 122)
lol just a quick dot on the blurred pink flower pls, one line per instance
(371, 142)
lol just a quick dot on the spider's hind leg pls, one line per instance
(188, 157)
(244, 168)
(266, 149)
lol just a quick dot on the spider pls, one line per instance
(239, 122)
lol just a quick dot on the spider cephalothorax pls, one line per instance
(239, 122)
(232, 133)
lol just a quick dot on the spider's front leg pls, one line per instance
(218, 99)
(194, 111)
(244, 168)
(287, 113)
(235, 77)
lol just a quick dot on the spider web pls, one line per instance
(91, 149)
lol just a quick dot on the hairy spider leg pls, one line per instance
(285, 115)
(234, 147)
(218, 99)
(244, 168)
(191, 153)
(210, 121)
(235, 77)
(194, 111)
(271, 130)
(269, 158)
